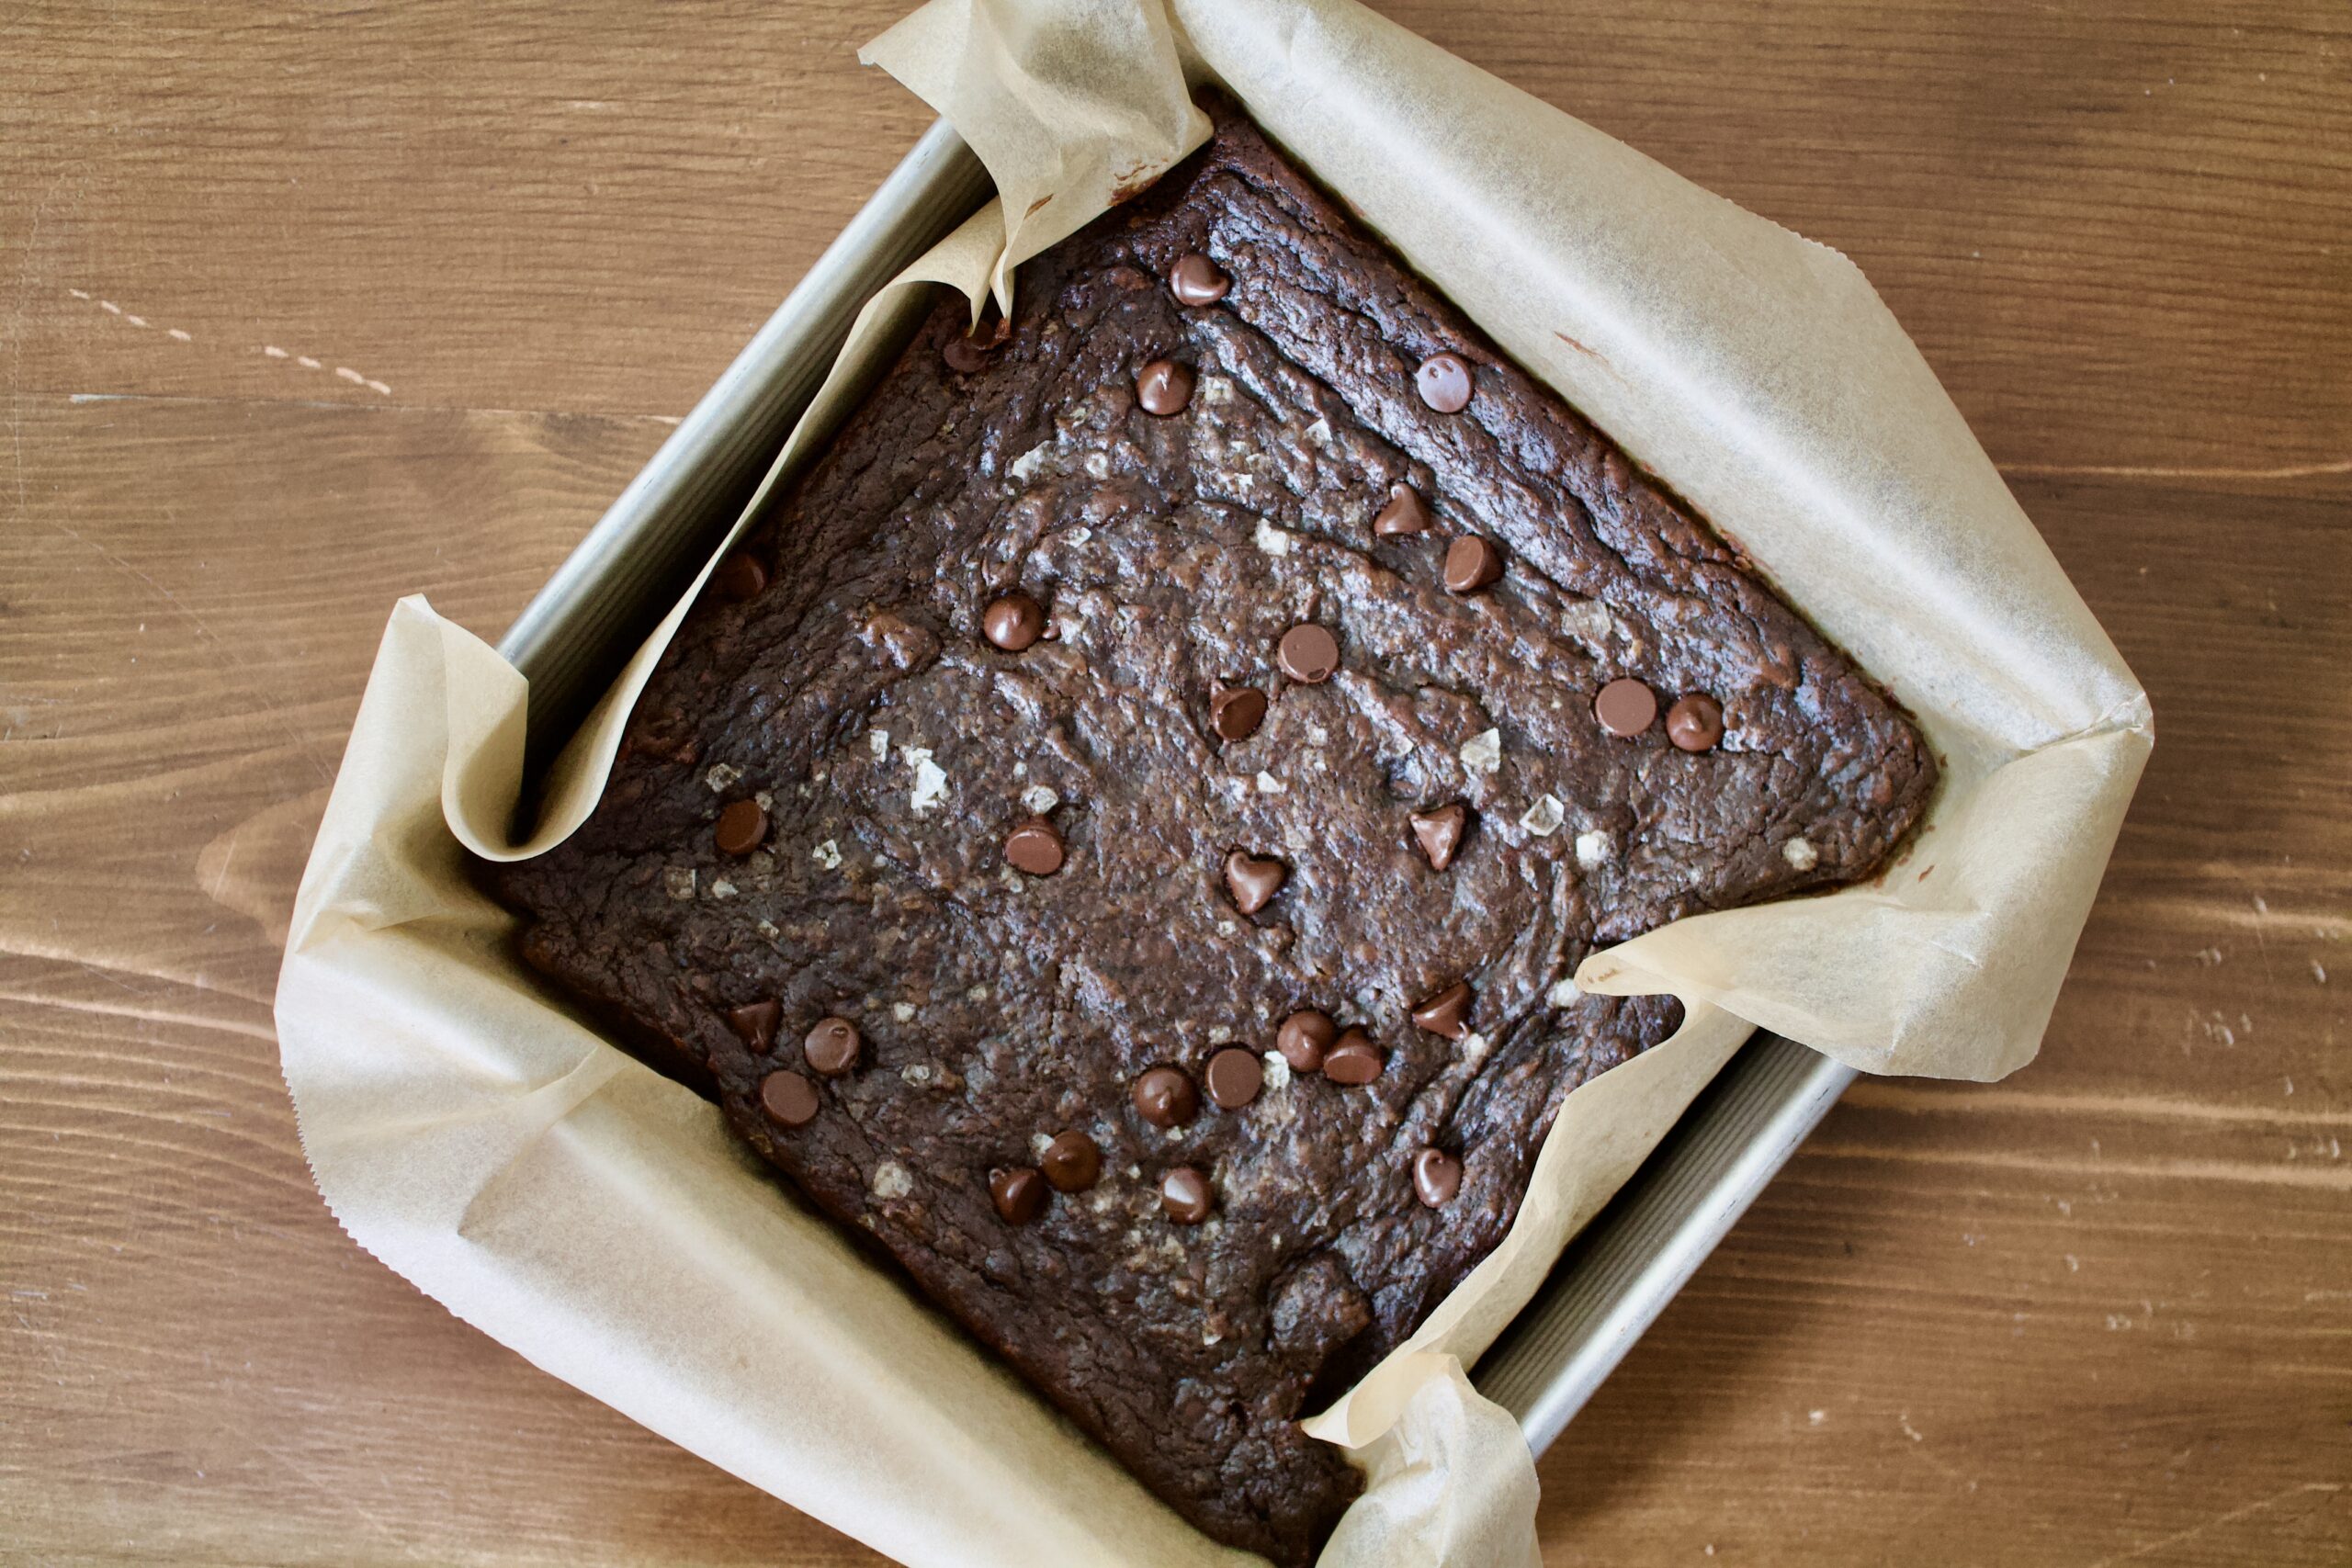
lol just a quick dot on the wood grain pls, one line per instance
(2098, 1313)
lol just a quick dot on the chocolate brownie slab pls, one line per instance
(1121, 829)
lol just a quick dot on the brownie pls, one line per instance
(1121, 829)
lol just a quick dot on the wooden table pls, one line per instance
(307, 308)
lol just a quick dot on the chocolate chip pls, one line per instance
(1019, 1194)
(1235, 1075)
(1014, 621)
(1236, 712)
(963, 355)
(741, 826)
(1308, 654)
(1034, 847)
(1184, 1194)
(1303, 1038)
(1353, 1059)
(1440, 831)
(1403, 514)
(1445, 382)
(739, 577)
(1166, 1098)
(1472, 562)
(1253, 880)
(1437, 1177)
(788, 1098)
(1164, 387)
(831, 1046)
(1625, 706)
(1695, 722)
(757, 1021)
(1071, 1162)
(1444, 1013)
(1196, 280)
(967, 352)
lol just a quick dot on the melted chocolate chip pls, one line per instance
(1437, 1177)
(1303, 1038)
(1403, 514)
(1166, 1098)
(1236, 712)
(1035, 847)
(1164, 387)
(1253, 880)
(1445, 1012)
(757, 1021)
(1019, 1194)
(963, 355)
(1625, 708)
(1472, 562)
(739, 577)
(1184, 1194)
(1196, 280)
(967, 353)
(1235, 1076)
(1439, 830)
(1445, 382)
(789, 1099)
(1071, 1162)
(832, 1047)
(1353, 1060)
(1695, 722)
(1308, 654)
(741, 826)
(1014, 621)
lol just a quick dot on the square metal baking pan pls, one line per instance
(1619, 1273)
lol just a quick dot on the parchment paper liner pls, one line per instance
(598, 1219)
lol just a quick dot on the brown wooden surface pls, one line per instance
(2099, 1314)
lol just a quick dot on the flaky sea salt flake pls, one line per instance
(931, 781)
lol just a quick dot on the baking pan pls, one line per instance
(1618, 1275)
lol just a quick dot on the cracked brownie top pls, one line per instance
(1121, 829)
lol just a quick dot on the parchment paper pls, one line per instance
(598, 1218)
